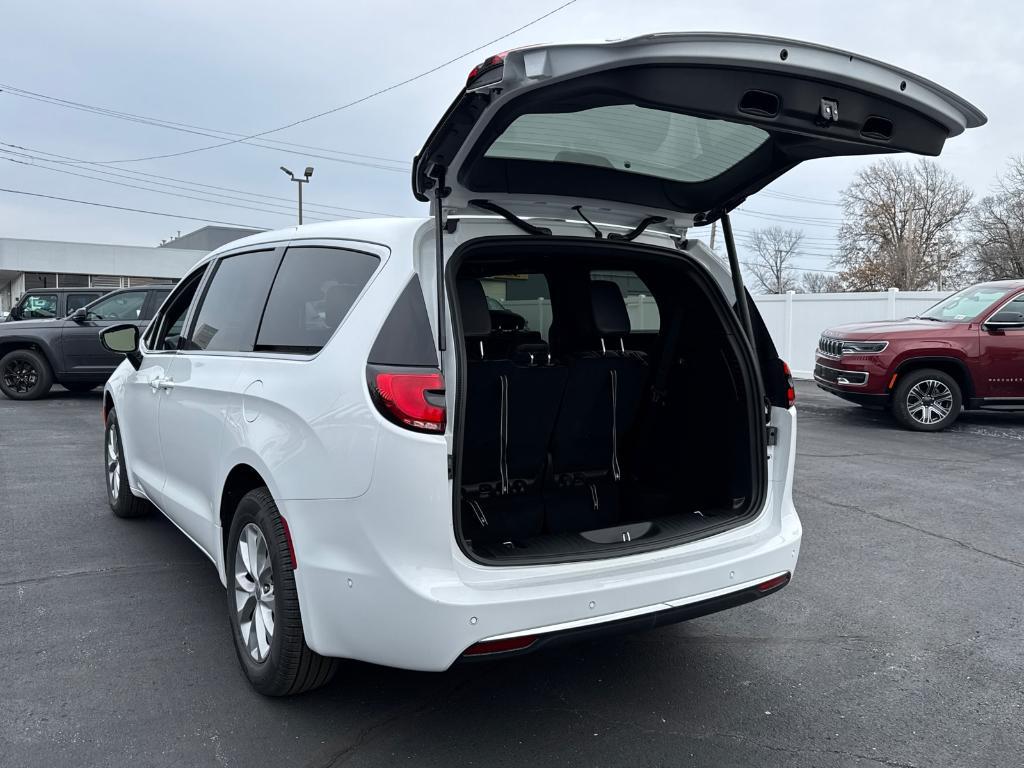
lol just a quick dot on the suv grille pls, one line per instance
(830, 347)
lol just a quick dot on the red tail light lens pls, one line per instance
(487, 65)
(790, 390)
(500, 646)
(413, 398)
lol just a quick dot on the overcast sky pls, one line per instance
(254, 65)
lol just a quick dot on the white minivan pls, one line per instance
(541, 414)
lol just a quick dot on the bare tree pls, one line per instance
(774, 250)
(997, 227)
(901, 227)
(820, 282)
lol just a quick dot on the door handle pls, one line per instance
(161, 383)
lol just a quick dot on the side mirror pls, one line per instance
(1006, 319)
(80, 315)
(124, 340)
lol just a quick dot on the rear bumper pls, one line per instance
(632, 621)
(381, 578)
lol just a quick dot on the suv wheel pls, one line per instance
(123, 502)
(25, 375)
(927, 400)
(263, 604)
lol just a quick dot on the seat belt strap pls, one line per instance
(616, 471)
(503, 432)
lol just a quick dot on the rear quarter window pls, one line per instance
(315, 288)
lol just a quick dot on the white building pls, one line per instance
(28, 264)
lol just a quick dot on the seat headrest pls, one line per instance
(609, 308)
(476, 318)
(533, 353)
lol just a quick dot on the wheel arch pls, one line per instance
(953, 366)
(10, 345)
(246, 474)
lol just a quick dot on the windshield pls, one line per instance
(964, 306)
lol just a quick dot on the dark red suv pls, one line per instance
(967, 351)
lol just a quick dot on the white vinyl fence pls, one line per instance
(796, 320)
(643, 313)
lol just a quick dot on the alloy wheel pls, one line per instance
(254, 592)
(113, 464)
(929, 402)
(20, 376)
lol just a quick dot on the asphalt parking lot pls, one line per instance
(899, 643)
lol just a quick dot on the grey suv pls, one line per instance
(34, 354)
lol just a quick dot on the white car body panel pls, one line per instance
(369, 505)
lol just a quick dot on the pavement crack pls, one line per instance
(910, 526)
(368, 733)
(106, 570)
(811, 750)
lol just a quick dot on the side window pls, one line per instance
(39, 306)
(314, 290)
(165, 333)
(122, 306)
(79, 300)
(156, 299)
(229, 313)
(640, 304)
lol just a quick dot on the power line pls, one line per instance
(133, 210)
(157, 191)
(172, 125)
(347, 105)
(213, 134)
(121, 174)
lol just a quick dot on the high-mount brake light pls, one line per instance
(487, 65)
(790, 389)
(412, 398)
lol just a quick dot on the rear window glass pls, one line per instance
(519, 302)
(314, 290)
(640, 304)
(626, 137)
(230, 312)
(79, 300)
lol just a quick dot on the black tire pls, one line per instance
(123, 503)
(922, 396)
(288, 666)
(79, 386)
(25, 375)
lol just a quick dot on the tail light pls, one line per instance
(790, 390)
(493, 65)
(410, 397)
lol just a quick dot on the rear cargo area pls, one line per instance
(609, 409)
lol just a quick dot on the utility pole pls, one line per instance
(300, 182)
(714, 224)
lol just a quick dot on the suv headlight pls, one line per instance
(863, 347)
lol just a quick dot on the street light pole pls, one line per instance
(300, 182)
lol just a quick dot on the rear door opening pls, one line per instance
(585, 439)
(611, 405)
